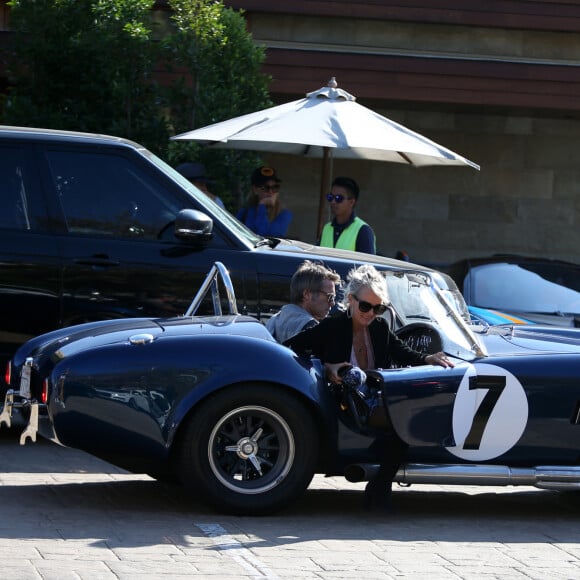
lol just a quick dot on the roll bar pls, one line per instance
(218, 272)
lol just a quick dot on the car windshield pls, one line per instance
(434, 300)
(539, 288)
(225, 217)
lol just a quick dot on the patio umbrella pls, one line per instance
(327, 124)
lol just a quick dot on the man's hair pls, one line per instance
(309, 276)
(349, 184)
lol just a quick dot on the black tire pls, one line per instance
(249, 450)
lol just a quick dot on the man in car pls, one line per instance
(312, 295)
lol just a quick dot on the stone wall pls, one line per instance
(525, 199)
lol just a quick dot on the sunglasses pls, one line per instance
(337, 198)
(272, 188)
(365, 306)
(329, 296)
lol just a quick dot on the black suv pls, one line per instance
(95, 227)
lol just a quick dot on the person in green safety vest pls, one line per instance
(346, 230)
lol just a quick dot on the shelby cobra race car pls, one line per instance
(215, 403)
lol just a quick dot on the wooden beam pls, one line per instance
(417, 79)
(562, 15)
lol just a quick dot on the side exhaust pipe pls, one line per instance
(360, 472)
(555, 477)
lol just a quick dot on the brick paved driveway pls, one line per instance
(65, 515)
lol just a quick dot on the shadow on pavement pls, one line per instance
(51, 492)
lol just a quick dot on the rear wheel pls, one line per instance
(250, 450)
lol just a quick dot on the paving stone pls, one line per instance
(66, 515)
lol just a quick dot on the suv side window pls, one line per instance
(20, 203)
(109, 195)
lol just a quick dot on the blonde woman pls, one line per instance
(362, 338)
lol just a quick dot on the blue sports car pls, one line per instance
(216, 404)
(540, 290)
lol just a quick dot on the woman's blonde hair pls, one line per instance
(365, 276)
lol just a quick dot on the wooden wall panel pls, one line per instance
(563, 15)
(462, 82)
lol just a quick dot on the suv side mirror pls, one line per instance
(192, 225)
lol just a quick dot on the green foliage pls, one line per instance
(227, 83)
(96, 66)
(197, 21)
(85, 66)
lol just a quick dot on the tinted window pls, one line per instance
(109, 195)
(19, 205)
(545, 288)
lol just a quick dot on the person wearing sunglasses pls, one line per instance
(263, 212)
(360, 337)
(346, 230)
(312, 295)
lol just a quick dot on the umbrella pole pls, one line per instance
(324, 189)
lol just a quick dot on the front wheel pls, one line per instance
(250, 450)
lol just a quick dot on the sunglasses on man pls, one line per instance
(336, 198)
(330, 296)
(365, 306)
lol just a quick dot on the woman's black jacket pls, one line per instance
(331, 342)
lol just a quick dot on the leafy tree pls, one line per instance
(85, 66)
(224, 63)
(95, 66)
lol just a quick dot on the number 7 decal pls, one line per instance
(495, 386)
(490, 413)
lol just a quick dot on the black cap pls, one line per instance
(194, 171)
(263, 175)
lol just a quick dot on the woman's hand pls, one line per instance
(439, 358)
(332, 371)
(267, 201)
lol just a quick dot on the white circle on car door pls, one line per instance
(490, 413)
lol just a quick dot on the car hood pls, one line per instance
(311, 251)
(65, 342)
(514, 339)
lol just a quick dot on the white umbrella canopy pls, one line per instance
(326, 124)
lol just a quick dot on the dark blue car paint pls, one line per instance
(182, 373)
(187, 361)
(420, 402)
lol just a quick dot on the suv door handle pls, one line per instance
(97, 261)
